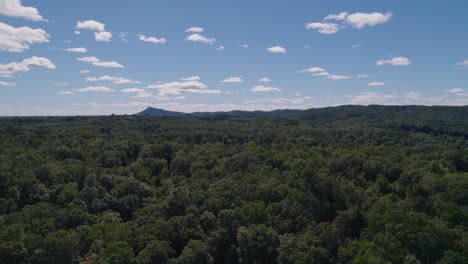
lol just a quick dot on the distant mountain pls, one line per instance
(150, 111)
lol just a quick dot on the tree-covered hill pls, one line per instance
(351, 184)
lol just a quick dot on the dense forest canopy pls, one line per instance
(377, 184)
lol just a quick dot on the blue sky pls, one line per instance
(100, 57)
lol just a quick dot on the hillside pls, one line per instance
(349, 184)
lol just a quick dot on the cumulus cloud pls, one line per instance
(317, 71)
(375, 84)
(100, 63)
(324, 28)
(14, 8)
(2, 83)
(175, 88)
(361, 20)
(357, 20)
(195, 29)
(91, 25)
(192, 78)
(11, 68)
(95, 89)
(113, 79)
(314, 70)
(154, 40)
(266, 89)
(232, 80)
(78, 50)
(366, 98)
(103, 36)
(396, 61)
(220, 48)
(200, 38)
(18, 39)
(276, 49)
(265, 80)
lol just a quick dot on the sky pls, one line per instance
(114, 56)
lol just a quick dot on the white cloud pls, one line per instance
(317, 71)
(397, 61)
(314, 70)
(7, 83)
(172, 88)
(265, 80)
(78, 50)
(261, 88)
(366, 98)
(142, 94)
(375, 84)
(323, 73)
(25, 65)
(200, 38)
(90, 25)
(283, 102)
(66, 92)
(463, 63)
(113, 79)
(18, 39)
(357, 20)
(95, 89)
(100, 63)
(455, 90)
(276, 49)
(220, 48)
(337, 77)
(362, 76)
(133, 90)
(85, 71)
(339, 17)
(195, 29)
(192, 78)
(361, 20)
(152, 39)
(14, 8)
(103, 36)
(232, 80)
(324, 28)
(244, 46)
(77, 32)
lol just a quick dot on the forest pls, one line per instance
(349, 184)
